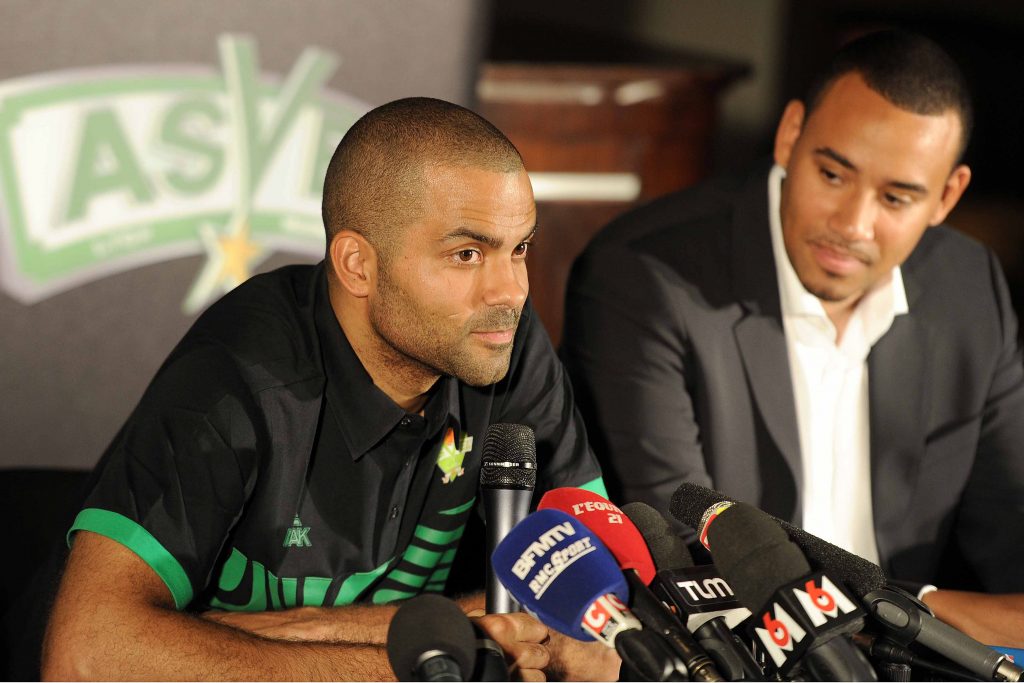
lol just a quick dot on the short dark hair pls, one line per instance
(909, 70)
(374, 182)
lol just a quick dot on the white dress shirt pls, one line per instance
(830, 387)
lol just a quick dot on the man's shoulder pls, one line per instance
(945, 255)
(263, 326)
(690, 213)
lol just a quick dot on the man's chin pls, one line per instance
(483, 374)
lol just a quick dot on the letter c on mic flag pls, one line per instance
(557, 568)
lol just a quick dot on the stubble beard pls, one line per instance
(419, 346)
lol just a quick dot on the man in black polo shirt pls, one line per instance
(314, 440)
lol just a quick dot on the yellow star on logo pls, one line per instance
(230, 260)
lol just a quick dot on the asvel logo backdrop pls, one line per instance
(105, 170)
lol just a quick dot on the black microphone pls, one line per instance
(430, 639)
(691, 501)
(905, 623)
(904, 618)
(707, 600)
(800, 617)
(508, 474)
(490, 660)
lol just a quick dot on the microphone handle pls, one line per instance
(904, 620)
(437, 667)
(733, 659)
(490, 661)
(503, 509)
(838, 660)
(654, 615)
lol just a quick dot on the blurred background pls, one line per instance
(152, 155)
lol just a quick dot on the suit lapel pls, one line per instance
(897, 392)
(759, 334)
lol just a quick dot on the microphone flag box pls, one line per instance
(807, 611)
(557, 569)
(701, 594)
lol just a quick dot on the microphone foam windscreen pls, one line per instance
(509, 458)
(754, 554)
(667, 550)
(859, 575)
(611, 525)
(691, 500)
(426, 623)
(556, 568)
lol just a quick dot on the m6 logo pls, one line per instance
(823, 603)
(779, 634)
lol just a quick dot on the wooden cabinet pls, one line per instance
(598, 139)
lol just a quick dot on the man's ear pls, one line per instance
(354, 262)
(954, 188)
(786, 135)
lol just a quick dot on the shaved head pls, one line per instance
(375, 182)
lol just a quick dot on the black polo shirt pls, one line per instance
(263, 469)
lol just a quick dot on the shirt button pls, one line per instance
(394, 512)
(405, 421)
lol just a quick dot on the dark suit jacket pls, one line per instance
(675, 343)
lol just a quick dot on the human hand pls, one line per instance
(523, 639)
(576, 660)
(989, 619)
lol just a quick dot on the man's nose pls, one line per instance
(506, 284)
(854, 218)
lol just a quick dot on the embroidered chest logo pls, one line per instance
(449, 460)
(297, 535)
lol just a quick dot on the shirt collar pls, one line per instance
(365, 413)
(887, 300)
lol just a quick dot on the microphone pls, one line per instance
(699, 594)
(490, 660)
(622, 538)
(902, 617)
(508, 474)
(799, 616)
(430, 639)
(615, 529)
(691, 501)
(563, 574)
(905, 623)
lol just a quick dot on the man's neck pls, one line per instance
(405, 382)
(840, 312)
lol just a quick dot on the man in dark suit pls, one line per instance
(812, 340)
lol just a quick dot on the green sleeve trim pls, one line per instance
(130, 534)
(596, 486)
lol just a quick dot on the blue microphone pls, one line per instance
(560, 572)
(557, 568)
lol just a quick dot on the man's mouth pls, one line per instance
(496, 337)
(838, 259)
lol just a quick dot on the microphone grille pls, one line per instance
(509, 457)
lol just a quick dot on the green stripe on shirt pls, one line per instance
(131, 535)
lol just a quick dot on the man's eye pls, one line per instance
(896, 201)
(829, 176)
(521, 249)
(467, 256)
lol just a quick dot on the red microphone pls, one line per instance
(609, 523)
(627, 545)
